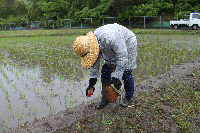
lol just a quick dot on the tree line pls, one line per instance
(17, 11)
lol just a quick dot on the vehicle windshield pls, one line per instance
(196, 16)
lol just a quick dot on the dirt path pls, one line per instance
(66, 120)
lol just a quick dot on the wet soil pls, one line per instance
(84, 117)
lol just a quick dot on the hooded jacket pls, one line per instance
(117, 46)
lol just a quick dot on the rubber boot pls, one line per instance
(101, 104)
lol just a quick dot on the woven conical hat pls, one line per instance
(88, 48)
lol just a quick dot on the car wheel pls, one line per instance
(194, 27)
(175, 27)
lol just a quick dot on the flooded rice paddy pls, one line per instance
(40, 76)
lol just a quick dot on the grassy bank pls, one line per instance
(167, 108)
(70, 32)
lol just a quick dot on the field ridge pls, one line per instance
(70, 32)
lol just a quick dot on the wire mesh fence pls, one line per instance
(130, 22)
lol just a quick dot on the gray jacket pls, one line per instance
(117, 46)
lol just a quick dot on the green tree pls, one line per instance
(182, 7)
(43, 10)
(53, 9)
(21, 8)
(7, 8)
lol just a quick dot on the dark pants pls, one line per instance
(127, 77)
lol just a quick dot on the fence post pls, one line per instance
(144, 21)
(61, 22)
(45, 23)
(91, 21)
(81, 23)
(177, 16)
(53, 25)
(160, 21)
(103, 21)
(129, 23)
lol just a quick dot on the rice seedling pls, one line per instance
(70, 106)
(65, 98)
(48, 104)
(83, 101)
(56, 61)
(6, 96)
(26, 102)
(59, 95)
(99, 95)
(35, 113)
(4, 126)
(53, 107)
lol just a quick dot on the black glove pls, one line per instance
(116, 82)
(92, 82)
(89, 87)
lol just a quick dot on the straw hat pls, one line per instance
(88, 48)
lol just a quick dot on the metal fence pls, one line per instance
(131, 22)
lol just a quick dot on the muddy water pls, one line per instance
(29, 98)
(32, 91)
